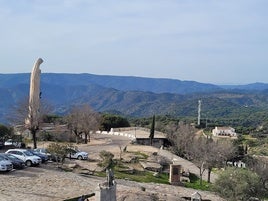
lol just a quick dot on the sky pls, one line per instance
(209, 41)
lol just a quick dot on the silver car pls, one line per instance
(77, 154)
(26, 156)
(5, 165)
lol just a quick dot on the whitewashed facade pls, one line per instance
(224, 131)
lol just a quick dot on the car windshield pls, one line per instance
(27, 153)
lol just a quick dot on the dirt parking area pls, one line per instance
(49, 183)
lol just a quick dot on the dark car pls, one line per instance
(43, 157)
(44, 151)
(16, 162)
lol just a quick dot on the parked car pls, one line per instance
(16, 162)
(10, 142)
(43, 157)
(5, 165)
(43, 151)
(49, 155)
(1, 144)
(26, 156)
(77, 154)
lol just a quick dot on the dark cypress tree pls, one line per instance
(152, 131)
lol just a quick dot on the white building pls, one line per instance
(224, 131)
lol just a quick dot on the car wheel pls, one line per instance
(28, 163)
(79, 157)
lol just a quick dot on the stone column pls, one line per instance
(105, 192)
(32, 120)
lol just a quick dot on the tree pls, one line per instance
(113, 121)
(237, 184)
(19, 113)
(90, 121)
(259, 165)
(5, 133)
(152, 131)
(82, 120)
(199, 153)
(58, 150)
(181, 136)
(106, 159)
(207, 153)
(73, 120)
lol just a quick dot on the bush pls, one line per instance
(107, 159)
(59, 151)
(236, 184)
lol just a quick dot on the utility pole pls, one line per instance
(199, 112)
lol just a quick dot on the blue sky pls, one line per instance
(211, 41)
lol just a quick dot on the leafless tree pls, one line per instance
(203, 151)
(221, 151)
(83, 119)
(19, 113)
(208, 153)
(90, 121)
(182, 136)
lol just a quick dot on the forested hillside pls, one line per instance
(138, 97)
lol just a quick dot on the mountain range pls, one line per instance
(134, 96)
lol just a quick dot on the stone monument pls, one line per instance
(175, 174)
(32, 120)
(107, 190)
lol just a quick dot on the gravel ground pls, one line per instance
(46, 183)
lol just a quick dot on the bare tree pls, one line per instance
(19, 113)
(182, 136)
(83, 119)
(90, 121)
(74, 123)
(208, 153)
(199, 153)
(220, 151)
(204, 152)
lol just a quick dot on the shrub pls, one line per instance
(107, 159)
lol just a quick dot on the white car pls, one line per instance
(75, 153)
(5, 165)
(26, 156)
(10, 142)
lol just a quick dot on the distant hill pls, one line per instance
(134, 96)
(122, 83)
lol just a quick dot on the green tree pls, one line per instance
(5, 133)
(152, 130)
(106, 159)
(237, 184)
(59, 150)
(113, 121)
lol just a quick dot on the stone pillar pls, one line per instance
(104, 192)
(196, 197)
(107, 190)
(174, 174)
